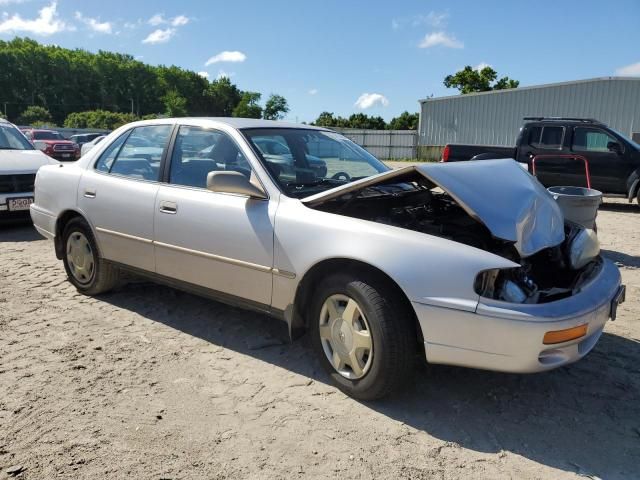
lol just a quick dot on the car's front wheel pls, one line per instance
(86, 270)
(362, 332)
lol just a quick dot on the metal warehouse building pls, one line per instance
(495, 117)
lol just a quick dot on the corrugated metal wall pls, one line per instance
(384, 144)
(496, 117)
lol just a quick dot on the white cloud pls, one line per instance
(632, 70)
(431, 19)
(443, 39)
(179, 21)
(158, 19)
(94, 24)
(204, 75)
(9, 2)
(46, 23)
(313, 91)
(481, 66)
(367, 100)
(226, 56)
(160, 36)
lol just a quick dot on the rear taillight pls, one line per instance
(445, 153)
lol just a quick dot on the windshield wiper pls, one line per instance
(314, 184)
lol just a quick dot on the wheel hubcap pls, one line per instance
(80, 257)
(346, 337)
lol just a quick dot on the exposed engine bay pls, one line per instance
(550, 274)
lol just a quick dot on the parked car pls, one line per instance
(86, 147)
(471, 263)
(19, 162)
(53, 144)
(81, 138)
(614, 159)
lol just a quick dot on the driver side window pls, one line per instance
(591, 140)
(198, 151)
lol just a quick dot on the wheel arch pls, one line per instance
(633, 184)
(63, 219)
(315, 274)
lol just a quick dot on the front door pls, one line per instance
(223, 242)
(609, 169)
(118, 194)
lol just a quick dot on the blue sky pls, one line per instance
(346, 56)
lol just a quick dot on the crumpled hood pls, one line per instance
(23, 161)
(511, 203)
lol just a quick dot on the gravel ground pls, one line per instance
(152, 383)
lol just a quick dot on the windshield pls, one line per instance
(305, 162)
(631, 142)
(12, 139)
(46, 135)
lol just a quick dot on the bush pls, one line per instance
(35, 116)
(101, 119)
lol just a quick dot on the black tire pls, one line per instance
(104, 276)
(391, 325)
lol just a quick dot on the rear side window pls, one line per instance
(137, 155)
(546, 137)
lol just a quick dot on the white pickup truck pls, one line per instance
(19, 163)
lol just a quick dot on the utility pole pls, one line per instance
(131, 105)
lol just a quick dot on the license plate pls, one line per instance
(66, 155)
(17, 204)
(619, 298)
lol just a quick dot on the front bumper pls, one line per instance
(508, 337)
(6, 213)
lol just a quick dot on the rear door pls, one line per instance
(609, 169)
(118, 192)
(548, 141)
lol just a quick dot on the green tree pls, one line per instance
(275, 108)
(222, 97)
(325, 119)
(249, 106)
(175, 104)
(361, 120)
(406, 121)
(99, 119)
(35, 116)
(470, 80)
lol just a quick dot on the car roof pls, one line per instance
(237, 123)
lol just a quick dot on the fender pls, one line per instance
(632, 185)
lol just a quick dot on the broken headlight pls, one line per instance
(583, 248)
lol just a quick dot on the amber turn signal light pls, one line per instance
(559, 336)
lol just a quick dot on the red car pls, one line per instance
(53, 144)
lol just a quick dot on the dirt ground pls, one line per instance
(152, 383)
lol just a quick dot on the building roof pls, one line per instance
(531, 87)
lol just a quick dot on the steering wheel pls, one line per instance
(344, 176)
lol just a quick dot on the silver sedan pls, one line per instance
(471, 264)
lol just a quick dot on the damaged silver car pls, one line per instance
(471, 264)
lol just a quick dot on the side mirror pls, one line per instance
(39, 145)
(614, 147)
(233, 182)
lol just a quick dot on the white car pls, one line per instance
(19, 162)
(470, 263)
(86, 147)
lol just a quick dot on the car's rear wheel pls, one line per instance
(361, 331)
(86, 270)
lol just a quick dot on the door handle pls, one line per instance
(89, 193)
(169, 207)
